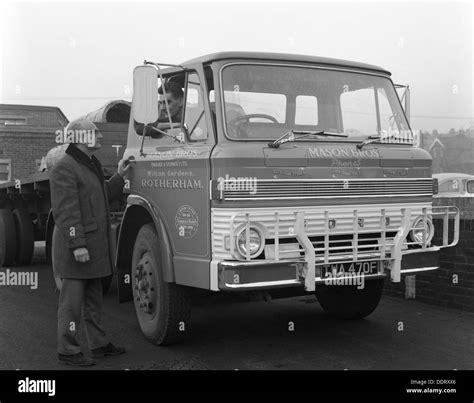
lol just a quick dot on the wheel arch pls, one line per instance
(138, 213)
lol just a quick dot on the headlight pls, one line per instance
(255, 244)
(416, 234)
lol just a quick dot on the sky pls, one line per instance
(78, 56)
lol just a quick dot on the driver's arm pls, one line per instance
(148, 131)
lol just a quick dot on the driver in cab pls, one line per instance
(174, 97)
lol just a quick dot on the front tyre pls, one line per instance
(163, 309)
(349, 302)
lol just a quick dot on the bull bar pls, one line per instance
(386, 247)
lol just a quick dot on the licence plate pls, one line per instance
(350, 267)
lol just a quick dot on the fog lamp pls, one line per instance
(416, 234)
(255, 244)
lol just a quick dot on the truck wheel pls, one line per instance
(348, 302)
(7, 238)
(25, 237)
(163, 309)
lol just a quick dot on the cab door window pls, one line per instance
(194, 115)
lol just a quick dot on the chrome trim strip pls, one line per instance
(310, 189)
(257, 263)
(365, 276)
(214, 276)
(342, 180)
(420, 269)
(277, 283)
(264, 284)
(321, 197)
(434, 248)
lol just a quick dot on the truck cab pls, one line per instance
(286, 174)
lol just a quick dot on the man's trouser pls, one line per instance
(77, 295)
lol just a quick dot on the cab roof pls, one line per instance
(285, 57)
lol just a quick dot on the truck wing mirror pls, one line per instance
(404, 98)
(145, 94)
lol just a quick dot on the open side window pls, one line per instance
(194, 114)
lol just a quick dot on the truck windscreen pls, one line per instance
(262, 101)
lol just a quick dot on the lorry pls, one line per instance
(286, 175)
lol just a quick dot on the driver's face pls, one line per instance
(174, 105)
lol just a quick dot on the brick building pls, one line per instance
(26, 134)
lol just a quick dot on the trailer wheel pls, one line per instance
(163, 309)
(349, 302)
(7, 238)
(25, 237)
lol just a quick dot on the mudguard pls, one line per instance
(138, 213)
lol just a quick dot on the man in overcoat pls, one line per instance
(82, 247)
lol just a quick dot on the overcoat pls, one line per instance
(79, 198)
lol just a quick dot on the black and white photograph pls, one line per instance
(260, 189)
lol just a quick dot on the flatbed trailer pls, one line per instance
(25, 204)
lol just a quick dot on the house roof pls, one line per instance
(287, 57)
(436, 141)
(14, 107)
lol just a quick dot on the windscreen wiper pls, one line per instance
(292, 135)
(378, 137)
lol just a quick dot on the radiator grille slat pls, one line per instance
(318, 188)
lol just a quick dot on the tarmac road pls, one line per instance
(245, 335)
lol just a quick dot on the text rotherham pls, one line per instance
(172, 183)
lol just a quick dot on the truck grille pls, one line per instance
(269, 189)
(351, 223)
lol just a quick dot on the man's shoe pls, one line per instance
(109, 349)
(79, 360)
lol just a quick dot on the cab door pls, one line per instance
(175, 177)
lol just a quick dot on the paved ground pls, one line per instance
(246, 335)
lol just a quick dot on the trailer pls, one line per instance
(25, 205)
